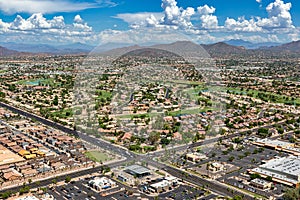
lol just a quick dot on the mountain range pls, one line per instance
(46, 48)
(250, 45)
(231, 47)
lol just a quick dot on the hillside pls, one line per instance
(7, 52)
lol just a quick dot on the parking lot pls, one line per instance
(79, 190)
(183, 192)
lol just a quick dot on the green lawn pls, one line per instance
(146, 115)
(97, 156)
(189, 111)
(267, 96)
(103, 94)
(48, 81)
(65, 113)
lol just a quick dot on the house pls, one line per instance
(11, 175)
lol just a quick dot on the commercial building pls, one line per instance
(195, 157)
(260, 183)
(162, 185)
(101, 183)
(278, 145)
(285, 170)
(137, 171)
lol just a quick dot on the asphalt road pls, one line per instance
(215, 187)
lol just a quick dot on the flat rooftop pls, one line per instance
(273, 142)
(285, 168)
(8, 157)
(137, 169)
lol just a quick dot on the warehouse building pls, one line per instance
(285, 170)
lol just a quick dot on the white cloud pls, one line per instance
(258, 1)
(79, 24)
(4, 27)
(141, 36)
(47, 6)
(278, 15)
(206, 10)
(41, 28)
(176, 16)
(35, 22)
(172, 17)
(208, 20)
(140, 19)
(201, 24)
(242, 25)
(78, 19)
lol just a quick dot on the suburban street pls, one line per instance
(196, 180)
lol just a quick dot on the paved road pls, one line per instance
(215, 187)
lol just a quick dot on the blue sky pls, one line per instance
(101, 21)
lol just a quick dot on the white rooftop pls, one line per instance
(273, 142)
(286, 168)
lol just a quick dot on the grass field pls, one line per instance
(267, 96)
(97, 156)
(35, 82)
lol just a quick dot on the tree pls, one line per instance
(231, 158)
(269, 178)
(68, 179)
(55, 100)
(254, 176)
(154, 137)
(165, 141)
(54, 181)
(237, 197)
(292, 194)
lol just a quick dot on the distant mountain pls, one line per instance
(243, 43)
(45, 48)
(78, 46)
(7, 52)
(119, 51)
(184, 48)
(110, 46)
(32, 48)
(181, 48)
(222, 48)
(250, 45)
(292, 47)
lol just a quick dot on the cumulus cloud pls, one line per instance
(80, 24)
(140, 19)
(37, 24)
(172, 17)
(78, 19)
(208, 20)
(206, 10)
(278, 15)
(258, 1)
(176, 16)
(242, 25)
(199, 23)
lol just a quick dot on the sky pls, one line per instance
(97, 22)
